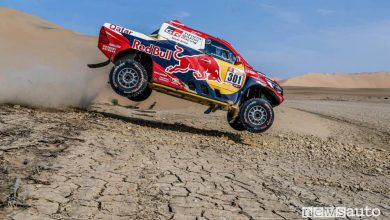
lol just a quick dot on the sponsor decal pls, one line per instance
(208, 71)
(234, 77)
(109, 48)
(252, 72)
(114, 45)
(152, 50)
(163, 77)
(173, 31)
(120, 29)
(175, 81)
(190, 38)
(183, 37)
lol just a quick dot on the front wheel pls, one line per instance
(256, 115)
(129, 78)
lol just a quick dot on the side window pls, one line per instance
(219, 51)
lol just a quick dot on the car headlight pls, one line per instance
(270, 83)
(275, 86)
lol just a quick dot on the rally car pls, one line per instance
(187, 63)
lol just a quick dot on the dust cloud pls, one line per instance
(45, 86)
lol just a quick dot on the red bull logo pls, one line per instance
(204, 67)
(152, 50)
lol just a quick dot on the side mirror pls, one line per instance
(238, 61)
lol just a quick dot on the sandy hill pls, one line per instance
(29, 40)
(44, 64)
(358, 80)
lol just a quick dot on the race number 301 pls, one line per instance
(235, 79)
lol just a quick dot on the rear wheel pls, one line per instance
(256, 115)
(129, 78)
(235, 123)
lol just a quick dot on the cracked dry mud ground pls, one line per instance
(76, 164)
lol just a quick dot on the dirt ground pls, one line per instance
(326, 148)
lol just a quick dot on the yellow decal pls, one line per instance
(232, 78)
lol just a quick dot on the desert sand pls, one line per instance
(355, 80)
(69, 153)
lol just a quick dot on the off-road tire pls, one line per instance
(143, 96)
(236, 123)
(256, 115)
(129, 78)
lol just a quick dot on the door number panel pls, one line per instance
(235, 77)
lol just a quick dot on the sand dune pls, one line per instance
(43, 64)
(358, 80)
(29, 40)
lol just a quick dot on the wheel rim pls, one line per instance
(257, 115)
(128, 78)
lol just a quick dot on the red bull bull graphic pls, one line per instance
(204, 67)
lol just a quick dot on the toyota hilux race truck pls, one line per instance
(189, 64)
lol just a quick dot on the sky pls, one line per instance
(281, 38)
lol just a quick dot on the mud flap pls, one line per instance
(98, 65)
(236, 111)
